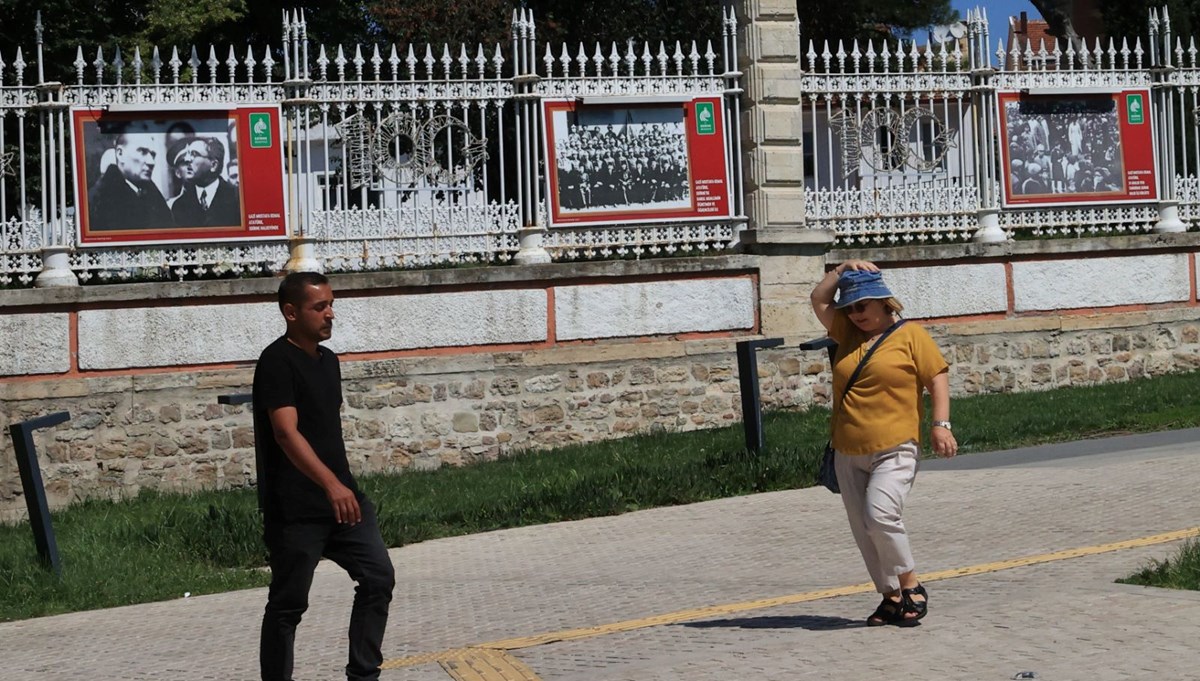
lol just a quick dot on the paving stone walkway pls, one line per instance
(767, 586)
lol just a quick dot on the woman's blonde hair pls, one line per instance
(892, 305)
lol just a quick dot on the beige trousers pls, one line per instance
(874, 487)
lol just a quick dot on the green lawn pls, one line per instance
(159, 546)
(1179, 572)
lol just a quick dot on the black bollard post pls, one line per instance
(825, 343)
(747, 359)
(35, 491)
(246, 398)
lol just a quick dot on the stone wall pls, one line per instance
(618, 348)
(167, 431)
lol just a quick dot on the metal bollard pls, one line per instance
(31, 483)
(747, 359)
(825, 343)
(247, 398)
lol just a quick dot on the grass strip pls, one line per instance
(158, 546)
(1182, 571)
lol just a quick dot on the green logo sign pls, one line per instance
(1134, 112)
(706, 119)
(260, 130)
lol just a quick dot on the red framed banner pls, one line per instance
(611, 162)
(178, 176)
(1077, 148)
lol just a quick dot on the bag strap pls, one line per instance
(863, 361)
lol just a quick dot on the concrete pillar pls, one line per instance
(773, 125)
(793, 256)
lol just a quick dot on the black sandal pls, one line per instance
(888, 612)
(913, 611)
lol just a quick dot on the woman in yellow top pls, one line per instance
(876, 427)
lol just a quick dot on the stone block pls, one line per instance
(636, 309)
(949, 290)
(770, 207)
(772, 10)
(465, 422)
(575, 355)
(774, 83)
(171, 336)
(435, 320)
(775, 124)
(544, 384)
(780, 165)
(36, 343)
(774, 41)
(1100, 282)
(801, 271)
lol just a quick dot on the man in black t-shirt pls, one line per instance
(311, 505)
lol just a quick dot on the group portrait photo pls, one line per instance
(1063, 148)
(620, 159)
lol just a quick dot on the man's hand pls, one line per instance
(345, 504)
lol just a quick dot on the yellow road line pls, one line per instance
(732, 608)
(483, 664)
(425, 658)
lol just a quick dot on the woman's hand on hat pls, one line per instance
(863, 265)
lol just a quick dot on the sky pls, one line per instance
(998, 12)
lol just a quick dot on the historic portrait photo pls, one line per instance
(150, 175)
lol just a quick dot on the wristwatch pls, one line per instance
(942, 424)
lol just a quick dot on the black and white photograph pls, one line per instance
(631, 158)
(160, 174)
(1063, 145)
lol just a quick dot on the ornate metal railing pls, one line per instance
(395, 156)
(903, 143)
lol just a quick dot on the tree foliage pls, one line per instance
(108, 24)
(605, 21)
(557, 21)
(1130, 18)
(443, 21)
(835, 20)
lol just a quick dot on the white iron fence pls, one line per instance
(393, 156)
(414, 156)
(904, 143)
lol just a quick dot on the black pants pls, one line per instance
(295, 549)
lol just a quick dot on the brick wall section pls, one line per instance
(424, 408)
(1039, 354)
(167, 431)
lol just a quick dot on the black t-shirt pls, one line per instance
(286, 376)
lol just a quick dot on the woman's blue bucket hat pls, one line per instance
(856, 285)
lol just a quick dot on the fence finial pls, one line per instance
(37, 29)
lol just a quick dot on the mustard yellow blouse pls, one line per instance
(884, 407)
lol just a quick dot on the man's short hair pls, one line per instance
(291, 289)
(215, 150)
